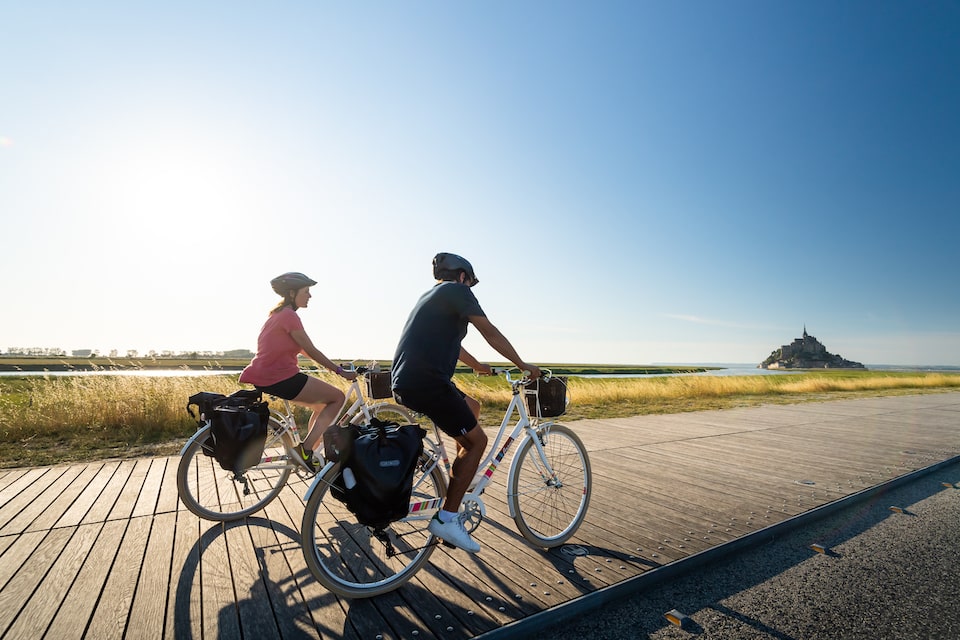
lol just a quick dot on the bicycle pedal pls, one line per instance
(448, 544)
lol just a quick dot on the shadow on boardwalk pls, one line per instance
(105, 549)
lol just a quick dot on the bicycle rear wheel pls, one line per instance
(356, 561)
(213, 493)
(547, 508)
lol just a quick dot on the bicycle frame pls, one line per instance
(424, 510)
(358, 405)
(524, 427)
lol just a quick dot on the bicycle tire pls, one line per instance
(388, 412)
(213, 493)
(348, 558)
(547, 511)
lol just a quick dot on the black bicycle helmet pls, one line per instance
(447, 262)
(292, 281)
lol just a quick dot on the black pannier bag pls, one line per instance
(551, 395)
(377, 466)
(238, 427)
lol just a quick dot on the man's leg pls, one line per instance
(470, 450)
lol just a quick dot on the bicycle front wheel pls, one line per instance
(214, 493)
(549, 507)
(356, 561)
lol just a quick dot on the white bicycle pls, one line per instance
(213, 493)
(548, 492)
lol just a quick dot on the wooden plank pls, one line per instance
(127, 500)
(219, 601)
(63, 499)
(168, 499)
(184, 600)
(71, 619)
(74, 515)
(16, 592)
(40, 502)
(150, 599)
(46, 601)
(18, 549)
(150, 491)
(292, 615)
(253, 602)
(102, 505)
(17, 509)
(328, 615)
(6, 542)
(8, 477)
(20, 483)
(111, 617)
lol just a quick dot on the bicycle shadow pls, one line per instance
(272, 606)
(580, 563)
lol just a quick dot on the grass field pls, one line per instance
(48, 419)
(34, 364)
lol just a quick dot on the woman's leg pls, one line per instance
(325, 400)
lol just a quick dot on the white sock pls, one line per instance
(447, 516)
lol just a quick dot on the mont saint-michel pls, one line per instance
(806, 353)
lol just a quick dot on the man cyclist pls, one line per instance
(423, 368)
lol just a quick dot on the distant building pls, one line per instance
(806, 352)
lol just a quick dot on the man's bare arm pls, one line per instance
(501, 345)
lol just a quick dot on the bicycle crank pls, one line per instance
(474, 511)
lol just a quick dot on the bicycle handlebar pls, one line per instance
(524, 378)
(361, 369)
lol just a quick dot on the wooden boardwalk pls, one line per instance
(105, 550)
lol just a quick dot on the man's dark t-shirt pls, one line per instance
(430, 343)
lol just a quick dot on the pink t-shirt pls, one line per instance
(277, 351)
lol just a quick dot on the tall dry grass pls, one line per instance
(64, 418)
(613, 390)
(618, 397)
(55, 419)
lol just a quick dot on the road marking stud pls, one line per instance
(896, 509)
(675, 617)
(819, 548)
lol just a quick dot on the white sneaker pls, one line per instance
(453, 532)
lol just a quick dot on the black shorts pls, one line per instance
(444, 405)
(287, 389)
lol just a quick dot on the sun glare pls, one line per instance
(162, 186)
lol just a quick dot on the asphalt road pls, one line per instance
(884, 575)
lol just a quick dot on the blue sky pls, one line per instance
(635, 182)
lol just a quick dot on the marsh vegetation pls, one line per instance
(48, 419)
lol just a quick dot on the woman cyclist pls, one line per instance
(276, 371)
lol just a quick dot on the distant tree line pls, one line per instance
(56, 352)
